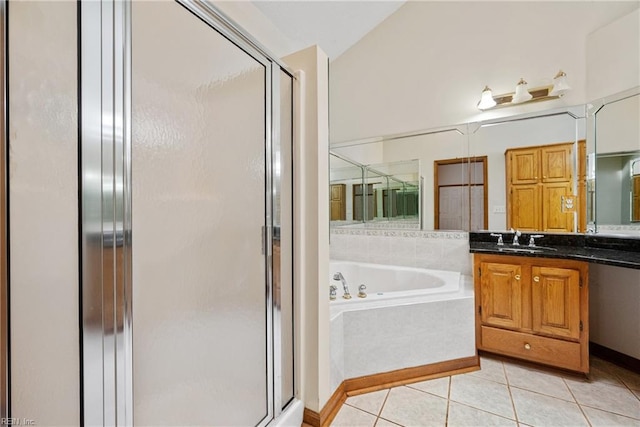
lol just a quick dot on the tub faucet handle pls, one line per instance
(333, 290)
(532, 242)
(361, 291)
(499, 236)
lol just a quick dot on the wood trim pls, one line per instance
(615, 357)
(369, 383)
(328, 412)
(538, 146)
(404, 376)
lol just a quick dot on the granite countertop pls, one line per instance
(615, 251)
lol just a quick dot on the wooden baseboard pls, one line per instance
(369, 383)
(615, 357)
(328, 412)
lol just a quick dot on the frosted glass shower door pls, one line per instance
(199, 275)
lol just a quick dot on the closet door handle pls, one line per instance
(517, 277)
(536, 279)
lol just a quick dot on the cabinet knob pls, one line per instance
(527, 346)
(536, 279)
(517, 277)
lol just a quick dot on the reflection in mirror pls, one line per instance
(461, 194)
(617, 165)
(424, 148)
(534, 164)
(374, 194)
(344, 175)
(530, 164)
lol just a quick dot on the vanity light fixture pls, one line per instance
(560, 85)
(523, 95)
(486, 101)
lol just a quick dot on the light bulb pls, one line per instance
(522, 94)
(486, 101)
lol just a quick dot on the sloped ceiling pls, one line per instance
(333, 25)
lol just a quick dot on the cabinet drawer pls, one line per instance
(550, 351)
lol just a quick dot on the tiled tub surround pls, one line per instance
(400, 329)
(438, 250)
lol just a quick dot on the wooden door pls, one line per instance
(501, 291)
(555, 299)
(553, 219)
(635, 200)
(338, 202)
(524, 166)
(524, 207)
(556, 163)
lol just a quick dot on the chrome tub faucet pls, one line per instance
(345, 287)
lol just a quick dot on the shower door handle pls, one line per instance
(266, 247)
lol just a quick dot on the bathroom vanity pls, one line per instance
(532, 302)
(533, 308)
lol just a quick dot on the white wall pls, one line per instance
(615, 308)
(613, 65)
(311, 219)
(43, 191)
(613, 57)
(426, 65)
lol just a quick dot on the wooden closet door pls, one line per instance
(556, 163)
(338, 202)
(524, 166)
(525, 207)
(553, 219)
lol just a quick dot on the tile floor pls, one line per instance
(504, 393)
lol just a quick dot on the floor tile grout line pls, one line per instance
(513, 403)
(383, 403)
(580, 405)
(584, 414)
(359, 409)
(609, 412)
(446, 414)
(484, 410)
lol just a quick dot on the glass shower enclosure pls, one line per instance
(187, 226)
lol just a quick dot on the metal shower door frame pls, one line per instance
(106, 206)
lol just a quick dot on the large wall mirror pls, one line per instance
(525, 172)
(615, 163)
(386, 194)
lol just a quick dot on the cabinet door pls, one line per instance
(501, 291)
(556, 163)
(524, 166)
(555, 301)
(635, 198)
(553, 219)
(524, 205)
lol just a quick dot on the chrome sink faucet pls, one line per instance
(345, 287)
(499, 236)
(516, 234)
(532, 242)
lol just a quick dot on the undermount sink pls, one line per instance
(526, 249)
(517, 249)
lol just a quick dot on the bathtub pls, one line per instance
(387, 282)
(410, 317)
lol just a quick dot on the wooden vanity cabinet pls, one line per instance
(534, 309)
